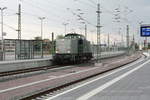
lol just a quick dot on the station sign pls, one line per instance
(145, 30)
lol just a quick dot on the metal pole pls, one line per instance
(122, 41)
(65, 29)
(41, 29)
(140, 24)
(85, 31)
(41, 38)
(2, 35)
(65, 24)
(19, 22)
(146, 44)
(2, 32)
(41, 18)
(53, 43)
(98, 33)
(127, 39)
(108, 43)
(133, 43)
(19, 29)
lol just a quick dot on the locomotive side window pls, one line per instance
(80, 46)
(80, 41)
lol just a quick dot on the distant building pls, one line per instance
(9, 45)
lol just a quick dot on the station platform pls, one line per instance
(24, 87)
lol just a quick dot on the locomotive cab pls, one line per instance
(73, 48)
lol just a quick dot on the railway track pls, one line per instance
(44, 69)
(51, 92)
(2, 74)
(11, 75)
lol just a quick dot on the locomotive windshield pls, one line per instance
(74, 36)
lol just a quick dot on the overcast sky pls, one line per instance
(56, 12)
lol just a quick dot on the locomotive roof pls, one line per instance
(74, 35)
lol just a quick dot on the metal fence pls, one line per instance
(25, 49)
(108, 49)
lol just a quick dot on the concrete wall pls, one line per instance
(23, 64)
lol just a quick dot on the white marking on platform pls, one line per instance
(146, 54)
(106, 85)
(87, 83)
(52, 76)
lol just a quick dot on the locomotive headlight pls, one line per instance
(57, 51)
(68, 51)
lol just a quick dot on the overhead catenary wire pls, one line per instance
(54, 5)
(58, 19)
(86, 3)
(81, 17)
(30, 14)
(8, 26)
(59, 9)
(45, 11)
(61, 6)
(92, 2)
(14, 29)
(40, 8)
(36, 7)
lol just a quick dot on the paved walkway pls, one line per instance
(29, 85)
(131, 82)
